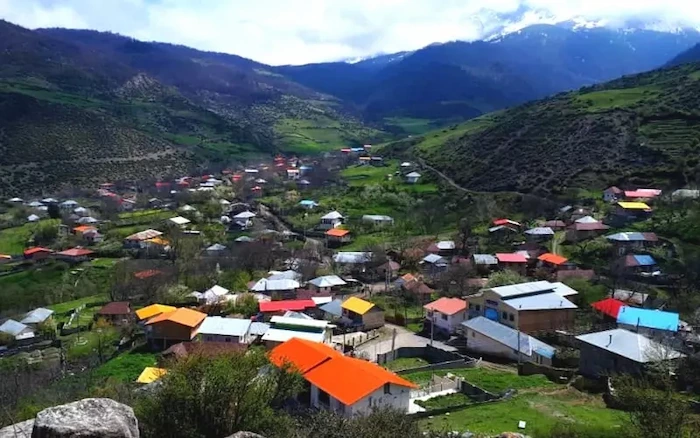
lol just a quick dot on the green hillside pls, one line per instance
(643, 129)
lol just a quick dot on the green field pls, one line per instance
(321, 133)
(87, 343)
(445, 401)
(404, 363)
(621, 98)
(411, 126)
(540, 412)
(495, 382)
(14, 240)
(126, 367)
(434, 139)
(364, 175)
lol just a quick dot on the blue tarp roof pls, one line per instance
(654, 319)
(645, 260)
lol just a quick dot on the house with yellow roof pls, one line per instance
(630, 211)
(363, 314)
(149, 312)
(169, 328)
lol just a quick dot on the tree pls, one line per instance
(504, 278)
(53, 211)
(216, 397)
(464, 233)
(45, 233)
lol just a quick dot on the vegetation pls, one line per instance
(126, 367)
(405, 363)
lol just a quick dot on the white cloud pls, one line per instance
(301, 31)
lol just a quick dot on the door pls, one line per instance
(491, 313)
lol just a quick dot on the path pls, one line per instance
(559, 237)
(404, 338)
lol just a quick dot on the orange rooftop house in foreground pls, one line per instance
(169, 328)
(342, 384)
(338, 236)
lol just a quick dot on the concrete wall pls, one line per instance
(373, 319)
(447, 323)
(596, 362)
(398, 398)
(554, 374)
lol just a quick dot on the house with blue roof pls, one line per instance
(489, 337)
(639, 265)
(648, 321)
(308, 204)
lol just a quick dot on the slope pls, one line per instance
(643, 129)
(690, 55)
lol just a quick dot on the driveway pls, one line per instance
(404, 338)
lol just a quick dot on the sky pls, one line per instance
(304, 31)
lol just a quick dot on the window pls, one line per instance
(227, 339)
(387, 388)
(323, 397)
(370, 402)
(443, 316)
(511, 317)
(473, 334)
(478, 307)
(505, 315)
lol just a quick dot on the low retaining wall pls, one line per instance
(554, 374)
(431, 354)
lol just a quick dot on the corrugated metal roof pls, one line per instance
(540, 231)
(301, 322)
(12, 327)
(37, 316)
(633, 237)
(485, 259)
(357, 305)
(653, 319)
(352, 257)
(633, 346)
(216, 325)
(332, 216)
(265, 284)
(328, 281)
(258, 328)
(523, 288)
(434, 259)
(546, 301)
(644, 260)
(279, 335)
(509, 337)
(334, 308)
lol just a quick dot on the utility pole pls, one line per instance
(432, 328)
(518, 326)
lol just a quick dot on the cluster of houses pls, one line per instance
(27, 328)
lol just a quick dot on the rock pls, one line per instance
(87, 418)
(246, 435)
(19, 430)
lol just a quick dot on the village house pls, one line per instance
(514, 262)
(556, 225)
(446, 314)
(308, 204)
(529, 307)
(169, 328)
(116, 313)
(363, 314)
(633, 298)
(279, 308)
(539, 234)
(243, 220)
(631, 211)
(219, 329)
(17, 330)
(579, 231)
(149, 312)
(33, 218)
(363, 160)
(75, 255)
(632, 241)
(377, 219)
(327, 283)
(68, 205)
(140, 239)
(643, 195)
(150, 375)
(413, 177)
(608, 308)
(421, 291)
(337, 236)
(504, 222)
(648, 322)
(179, 221)
(37, 253)
(389, 270)
(277, 287)
(485, 263)
(638, 265)
(612, 194)
(183, 350)
(684, 194)
(433, 265)
(284, 328)
(485, 336)
(320, 365)
(331, 220)
(213, 295)
(552, 262)
(619, 351)
(216, 250)
(37, 316)
(445, 248)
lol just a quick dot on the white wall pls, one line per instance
(483, 344)
(398, 398)
(221, 338)
(452, 323)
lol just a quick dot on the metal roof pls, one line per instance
(301, 322)
(217, 290)
(485, 259)
(179, 220)
(540, 231)
(644, 260)
(265, 284)
(37, 316)
(523, 288)
(653, 319)
(546, 301)
(633, 346)
(445, 245)
(216, 247)
(284, 275)
(216, 325)
(244, 215)
(586, 220)
(258, 328)
(352, 257)
(279, 335)
(328, 281)
(377, 218)
(434, 259)
(332, 215)
(13, 328)
(633, 237)
(413, 175)
(335, 308)
(509, 337)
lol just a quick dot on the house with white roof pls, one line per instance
(212, 295)
(179, 221)
(278, 288)
(486, 336)
(413, 177)
(378, 219)
(327, 283)
(331, 220)
(620, 351)
(37, 316)
(352, 257)
(530, 307)
(219, 329)
(17, 330)
(284, 328)
(244, 219)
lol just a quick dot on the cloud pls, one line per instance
(302, 31)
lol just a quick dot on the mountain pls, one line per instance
(82, 106)
(690, 55)
(460, 79)
(642, 129)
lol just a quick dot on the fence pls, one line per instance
(437, 384)
(432, 354)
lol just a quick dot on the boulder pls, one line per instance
(87, 418)
(19, 430)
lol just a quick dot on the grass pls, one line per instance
(444, 401)
(490, 380)
(87, 343)
(390, 306)
(620, 98)
(404, 363)
(411, 126)
(126, 367)
(365, 175)
(14, 240)
(434, 139)
(70, 305)
(540, 412)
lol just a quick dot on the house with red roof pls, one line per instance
(446, 314)
(272, 308)
(579, 231)
(37, 253)
(342, 384)
(117, 312)
(609, 307)
(514, 261)
(75, 255)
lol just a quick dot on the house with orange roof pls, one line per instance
(149, 312)
(37, 253)
(338, 236)
(75, 255)
(179, 325)
(446, 314)
(342, 384)
(552, 262)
